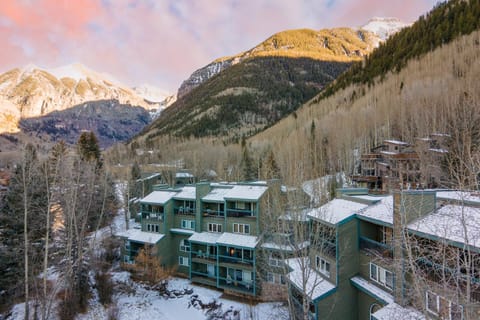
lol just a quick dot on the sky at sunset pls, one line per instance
(161, 42)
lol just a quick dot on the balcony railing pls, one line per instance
(240, 286)
(213, 213)
(203, 255)
(184, 210)
(235, 260)
(152, 215)
(240, 213)
(380, 248)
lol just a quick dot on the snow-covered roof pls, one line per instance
(391, 311)
(186, 193)
(395, 311)
(397, 142)
(453, 223)
(285, 247)
(141, 236)
(381, 211)
(315, 285)
(205, 237)
(367, 197)
(459, 196)
(372, 289)
(336, 210)
(159, 197)
(217, 194)
(388, 152)
(183, 175)
(182, 231)
(154, 175)
(438, 150)
(238, 240)
(246, 192)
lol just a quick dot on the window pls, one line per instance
(188, 224)
(214, 227)
(153, 227)
(183, 261)
(127, 245)
(443, 308)
(240, 205)
(184, 246)
(381, 276)
(275, 278)
(241, 228)
(323, 266)
(274, 261)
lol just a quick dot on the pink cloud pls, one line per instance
(163, 42)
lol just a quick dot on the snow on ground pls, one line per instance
(136, 301)
(147, 304)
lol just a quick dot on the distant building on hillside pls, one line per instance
(400, 165)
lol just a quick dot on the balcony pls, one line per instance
(234, 262)
(203, 257)
(184, 210)
(204, 278)
(213, 213)
(245, 287)
(378, 248)
(157, 216)
(240, 213)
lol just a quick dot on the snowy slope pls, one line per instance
(384, 27)
(78, 71)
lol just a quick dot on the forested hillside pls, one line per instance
(442, 25)
(246, 98)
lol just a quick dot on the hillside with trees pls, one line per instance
(324, 135)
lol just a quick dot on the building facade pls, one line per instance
(410, 255)
(208, 232)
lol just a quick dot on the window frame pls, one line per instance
(181, 261)
(321, 264)
(184, 247)
(188, 224)
(438, 299)
(241, 228)
(214, 227)
(381, 275)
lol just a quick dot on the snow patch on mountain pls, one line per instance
(384, 27)
(151, 93)
(78, 71)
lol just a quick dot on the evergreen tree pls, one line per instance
(88, 148)
(248, 166)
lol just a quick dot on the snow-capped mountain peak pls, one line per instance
(78, 71)
(384, 27)
(151, 93)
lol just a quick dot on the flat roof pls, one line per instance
(238, 240)
(137, 235)
(159, 197)
(393, 311)
(473, 197)
(285, 247)
(205, 237)
(336, 210)
(182, 231)
(246, 192)
(453, 223)
(381, 211)
(372, 289)
(316, 286)
(186, 193)
(217, 194)
(398, 142)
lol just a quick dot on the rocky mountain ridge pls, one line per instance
(338, 44)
